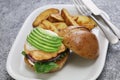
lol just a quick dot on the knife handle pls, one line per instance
(111, 26)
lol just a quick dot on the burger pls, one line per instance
(44, 51)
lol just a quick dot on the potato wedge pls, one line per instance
(91, 24)
(44, 15)
(49, 26)
(86, 22)
(60, 25)
(75, 17)
(55, 18)
(42, 26)
(83, 20)
(68, 19)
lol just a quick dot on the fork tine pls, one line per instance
(77, 7)
(81, 6)
(85, 8)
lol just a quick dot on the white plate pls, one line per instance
(76, 68)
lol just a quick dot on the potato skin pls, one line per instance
(82, 42)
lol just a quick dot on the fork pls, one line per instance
(84, 10)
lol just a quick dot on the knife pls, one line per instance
(97, 12)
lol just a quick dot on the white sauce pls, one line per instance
(51, 32)
(31, 62)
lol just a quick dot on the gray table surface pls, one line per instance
(14, 12)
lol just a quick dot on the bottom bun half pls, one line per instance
(59, 63)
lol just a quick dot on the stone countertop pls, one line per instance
(14, 12)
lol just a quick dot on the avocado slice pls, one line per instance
(44, 38)
(41, 47)
(40, 41)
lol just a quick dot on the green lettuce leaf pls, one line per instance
(23, 53)
(44, 67)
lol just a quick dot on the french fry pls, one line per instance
(60, 25)
(44, 15)
(49, 26)
(68, 19)
(55, 18)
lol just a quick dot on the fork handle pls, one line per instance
(106, 30)
(111, 26)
